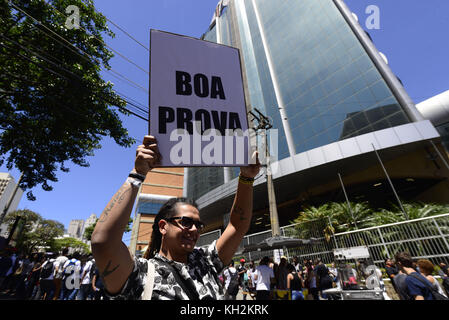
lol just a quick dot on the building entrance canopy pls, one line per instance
(295, 175)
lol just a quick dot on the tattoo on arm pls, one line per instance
(107, 272)
(118, 198)
(239, 211)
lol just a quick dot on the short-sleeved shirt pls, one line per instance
(201, 272)
(416, 287)
(86, 271)
(264, 274)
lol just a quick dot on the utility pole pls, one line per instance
(11, 198)
(264, 125)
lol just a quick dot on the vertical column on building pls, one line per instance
(277, 91)
(227, 172)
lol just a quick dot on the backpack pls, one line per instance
(68, 271)
(233, 287)
(435, 294)
(47, 269)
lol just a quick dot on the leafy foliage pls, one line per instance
(88, 231)
(329, 218)
(54, 106)
(58, 244)
(34, 231)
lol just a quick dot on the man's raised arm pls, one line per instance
(111, 255)
(241, 214)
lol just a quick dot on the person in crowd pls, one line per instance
(71, 278)
(231, 278)
(426, 268)
(333, 272)
(323, 279)
(9, 275)
(312, 281)
(444, 274)
(243, 278)
(59, 270)
(264, 278)
(297, 265)
(251, 281)
(416, 285)
(391, 271)
(26, 265)
(187, 273)
(32, 286)
(294, 283)
(46, 282)
(5, 265)
(281, 274)
(98, 288)
(85, 291)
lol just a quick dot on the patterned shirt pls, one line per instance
(201, 271)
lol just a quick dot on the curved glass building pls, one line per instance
(311, 68)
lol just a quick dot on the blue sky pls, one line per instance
(412, 35)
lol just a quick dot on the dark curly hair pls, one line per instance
(167, 210)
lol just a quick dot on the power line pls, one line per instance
(61, 76)
(121, 55)
(76, 48)
(60, 66)
(121, 29)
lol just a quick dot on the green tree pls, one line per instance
(414, 210)
(88, 231)
(34, 231)
(58, 244)
(314, 222)
(54, 106)
(350, 219)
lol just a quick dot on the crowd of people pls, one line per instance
(49, 276)
(46, 276)
(270, 280)
(411, 279)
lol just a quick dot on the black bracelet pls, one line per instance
(137, 176)
(246, 179)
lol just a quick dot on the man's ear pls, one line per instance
(162, 226)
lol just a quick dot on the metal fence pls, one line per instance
(426, 238)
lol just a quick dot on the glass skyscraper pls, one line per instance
(311, 68)
(305, 68)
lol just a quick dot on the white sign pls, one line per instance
(197, 103)
(352, 253)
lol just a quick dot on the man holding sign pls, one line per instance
(197, 118)
(181, 271)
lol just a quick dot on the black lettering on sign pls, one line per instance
(166, 114)
(200, 85)
(183, 86)
(203, 116)
(217, 89)
(219, 120)
(234, 121)
(184, 119)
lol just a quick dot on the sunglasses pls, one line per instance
(187, 223)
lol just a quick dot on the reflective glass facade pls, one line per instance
(149, 207)
(330, 88)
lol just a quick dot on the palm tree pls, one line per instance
(316, 222)
(351, 218)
